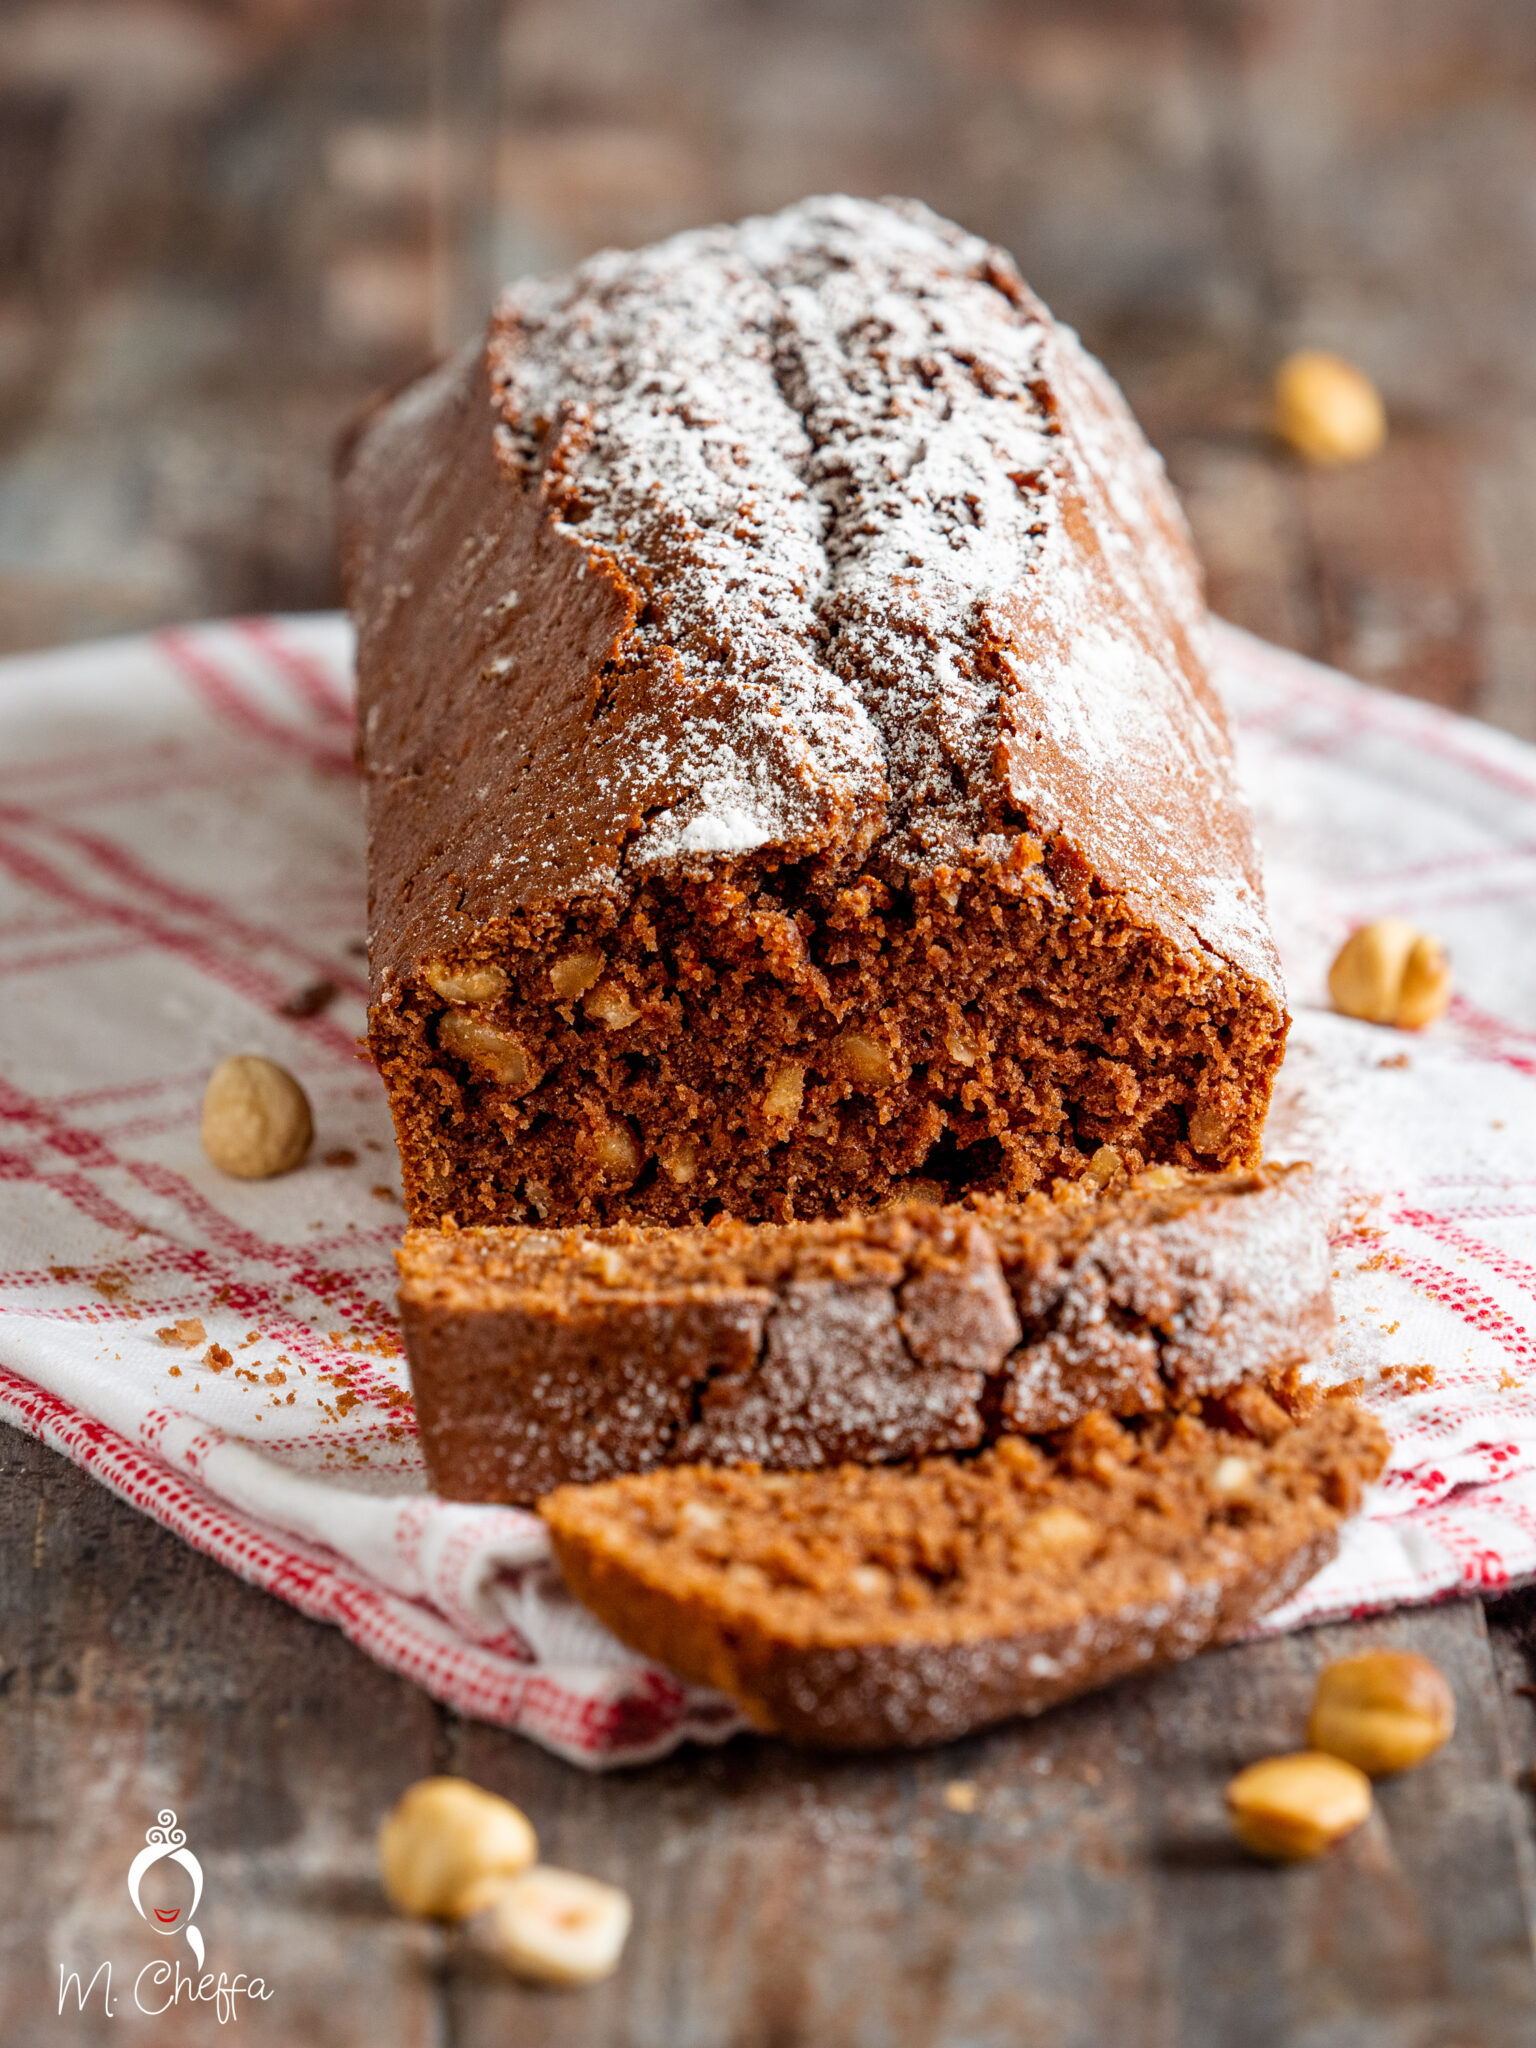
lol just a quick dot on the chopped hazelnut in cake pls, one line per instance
(897, 1605)
(790, 759)
(539, 1356)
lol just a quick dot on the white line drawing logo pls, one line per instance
(168, 1840)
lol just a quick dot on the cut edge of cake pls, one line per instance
(870, 1608)
(756, 818)
(540, 1357)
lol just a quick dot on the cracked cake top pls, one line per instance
(811, 538)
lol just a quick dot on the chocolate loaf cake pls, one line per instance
(790, 760)
(891, 1606)
(542, 1356)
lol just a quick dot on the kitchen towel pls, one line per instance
(181, 877)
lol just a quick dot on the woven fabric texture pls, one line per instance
(181, 877)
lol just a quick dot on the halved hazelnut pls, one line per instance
(575, 974)
(785, 1093)
(611, 1006)
(680, 1160)
(480, 984)
(489, 1049)
(1390, 972)
(865, 1061)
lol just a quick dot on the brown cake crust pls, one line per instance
(544, 1356)
(790, 759)
(539, 1357)
(867, 1609)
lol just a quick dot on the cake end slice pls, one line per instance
(869, 1608)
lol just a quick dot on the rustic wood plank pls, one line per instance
(1501, 457)
(1093, 1895)
(781, 1898)
(197, 285)
(1392, 546)
(1250, 527)
(1512, 1637)
(134, 1675)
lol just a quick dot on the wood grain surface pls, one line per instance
(220, 229)
(1091, 1896)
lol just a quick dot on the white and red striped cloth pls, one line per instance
(181, 856)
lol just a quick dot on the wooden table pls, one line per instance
(218, 230)
(1092, 1897)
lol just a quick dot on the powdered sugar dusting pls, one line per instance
(890, 529)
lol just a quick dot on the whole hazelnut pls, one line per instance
(446, 1844)
(1291, 1807)
(1327, 410)
(1390, 972)
(1384, 1711)
(256, 1118)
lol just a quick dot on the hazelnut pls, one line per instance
(1390, 972)
(611, 1006)
(865, 1061)
(474, 984)
(698, 1518)
(556, 1927)
(1386, 1710)
(680, 1160)
(495, 1052)
(1105, 1165)
(1232, 1478)
(256, 1119)
(1060, 1530)
(1208, 1130)
(870, 1582)
(785, 1094)
(575, 974)
(1292, 1807)
(616, 1151)
(1326, 409)
(959, 1047)
(445, 1841)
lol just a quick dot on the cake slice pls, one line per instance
(1174, 1286)
(542, 1356)
(865, 1608)
(790, 759)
